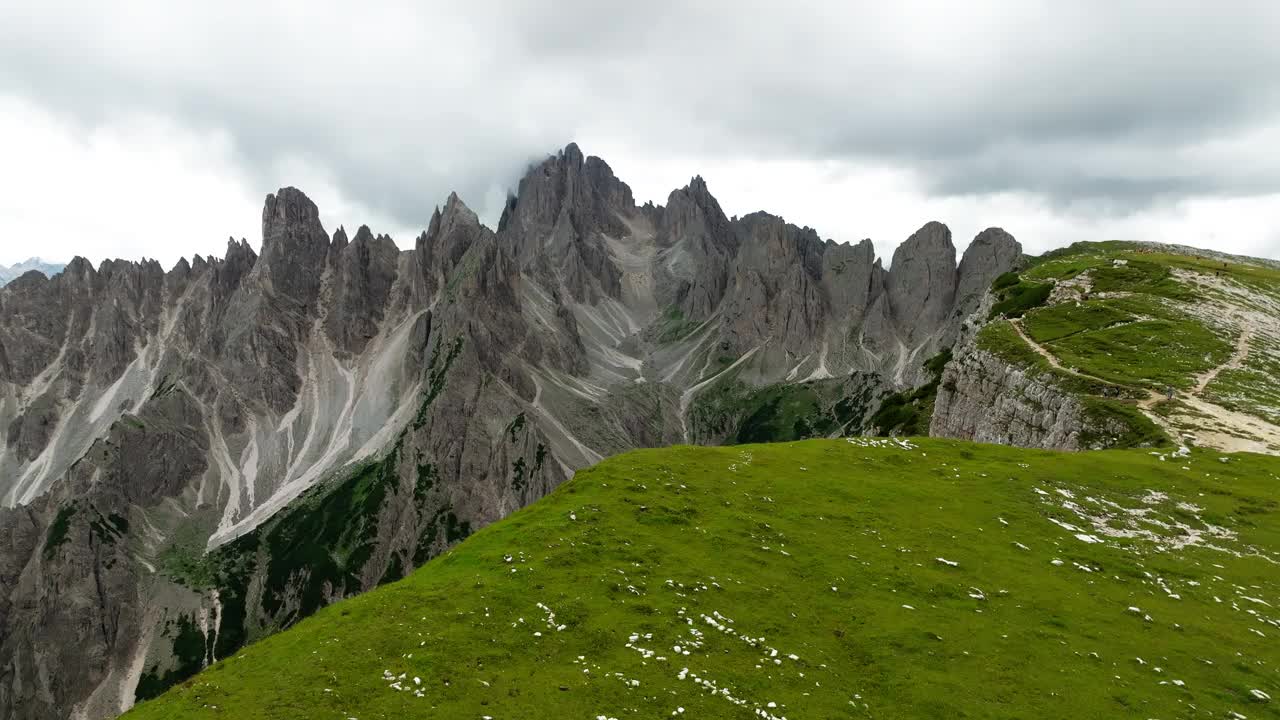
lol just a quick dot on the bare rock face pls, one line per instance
(992, 253)
(776, 289)
(985, 399)
(698, 245)
(922, 281)
(849, 273)
(565, 208)
(294, 246)
(217, 451)
(363, 273)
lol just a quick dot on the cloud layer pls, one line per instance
(145, 128)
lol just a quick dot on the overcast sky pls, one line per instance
(131, 129)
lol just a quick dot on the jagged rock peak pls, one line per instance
(695, 191)
(585, 191)
(79, 269)
(237, 249)
(455, 213)
(996, 242)
(933, 236)
(454, 206)
(992, 252)
(864, 248)
(289, 205)
(922, 280)
(291, 229)
(294, 245)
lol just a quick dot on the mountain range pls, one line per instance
(48, 269)
(198, 457)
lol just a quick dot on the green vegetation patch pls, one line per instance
(733, 412)
(1140, 276)
(673, 326)
(1148, 353)
(1013, 299)
(909, 412)
(1001, 339)
(823, 579)
(189, 654)
(1129, 426)
(58, 529)
(1064, 319)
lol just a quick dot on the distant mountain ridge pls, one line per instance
(7, 274)
(194, 458)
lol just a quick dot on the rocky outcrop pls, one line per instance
(921, 285)
(776, 291)
(697, 244)
(992, 253)
(558, 220)
(985, 399)
(362, 275)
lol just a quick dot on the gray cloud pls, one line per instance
(1092, 106)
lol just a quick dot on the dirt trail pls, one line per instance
(1152, 398)
(1053, 360)
(1237, 358)
(1215, 426)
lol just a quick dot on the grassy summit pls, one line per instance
(1126, 326)
(820, 579)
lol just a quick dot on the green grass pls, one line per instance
(1064, 319)
(909, 412)
(1135, 429)
(1001, 339)
(1139, 273)
(1148, 270)
(822, 550)
(1252, 388)
(1014, 300)
(785, 412)
(1148, 353)
(673, 326)
(732, 412)
(1139, 336)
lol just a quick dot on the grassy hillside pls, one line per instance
(821, 579)
(1127, 325)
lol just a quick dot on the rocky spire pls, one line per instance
(339, 244)
(922, 281)
(363, 272)
(992, 253)
(848, 273)
(693, 221)
(555, 222)
(294, 246)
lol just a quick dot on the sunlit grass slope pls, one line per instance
(820, 579)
